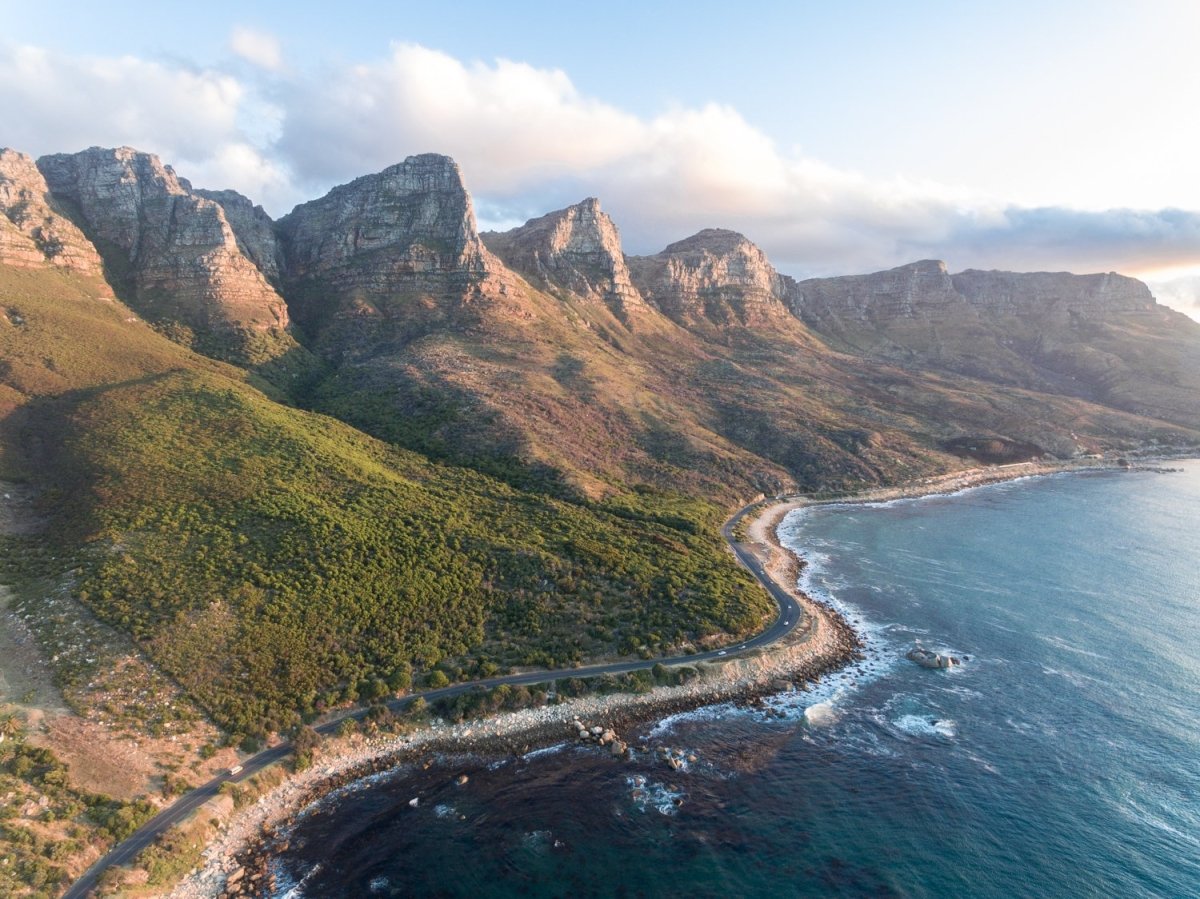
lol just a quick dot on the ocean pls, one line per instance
(1061, 759)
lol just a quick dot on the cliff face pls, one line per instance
(1100, 337)
(926, 291)
(577, 249)
(715, 276)
(1053, 293)
(170, 251)
(253, 229)
(919, 290)
(33, 231)
(387, 255)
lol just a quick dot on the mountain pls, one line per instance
(577, 250)
(1101, 337)
(714, 276)
(274, 562)
(378, 442)
(33, 228)
(170, 252)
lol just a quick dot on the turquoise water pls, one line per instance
(1063, 759)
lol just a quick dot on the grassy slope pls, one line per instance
(276, 562)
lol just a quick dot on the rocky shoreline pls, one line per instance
(237, 863)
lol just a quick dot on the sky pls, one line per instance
(842, 138)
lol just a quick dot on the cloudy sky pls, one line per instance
(1025, 134)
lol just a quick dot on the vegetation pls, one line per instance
(45, 822)
(277, 564)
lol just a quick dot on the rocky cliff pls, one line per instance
(253, 229)
(926, 291)
(33, 231)
(170, 252)
(1099, 337)
(388, 254)
(577, 249)
(919, 290)
(1052, 293)
(715, 276)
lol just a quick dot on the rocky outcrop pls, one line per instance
(33, 231)
(254, 230)
(389, 253)
(715, 276)
(577, 249)
(926, 291)
(171, 252)
(1012, 293)
(919, 290)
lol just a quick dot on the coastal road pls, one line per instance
(788, 618)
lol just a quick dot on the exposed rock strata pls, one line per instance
(926, 291)
(33, 231)
(254, 230)
(170, 251)
(389, 254)
(1013, 293)
(578, 249)
(716, 276)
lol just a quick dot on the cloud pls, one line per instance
(529, 141)
(257, 47)
(193, 118)
(54, 103)
(1182, 293)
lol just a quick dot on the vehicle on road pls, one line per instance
(236, 769)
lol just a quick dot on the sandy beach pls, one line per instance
(821, 645)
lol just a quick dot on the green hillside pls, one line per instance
(277, 562)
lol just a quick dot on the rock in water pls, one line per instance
(928, 659)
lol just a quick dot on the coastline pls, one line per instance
(824, 644)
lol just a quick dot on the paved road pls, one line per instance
(124, 852)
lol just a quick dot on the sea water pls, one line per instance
(1061, 759)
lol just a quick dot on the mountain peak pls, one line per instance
(33, 231)
(717, 276)
(915, 290)
(174, 254)
(714, 240)
(417, 210)
(398, 248)
(577, 248)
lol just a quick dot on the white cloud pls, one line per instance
(529, 141)
(258, 47)
(56, 103)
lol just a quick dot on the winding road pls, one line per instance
(789, 616)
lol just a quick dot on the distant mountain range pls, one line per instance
(525, 400)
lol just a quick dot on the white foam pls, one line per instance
(926, 726)
(286, 888)
(821, 714)
(704, 713)
(653, 795)
(545, 750)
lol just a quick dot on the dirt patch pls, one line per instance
(97, 760)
